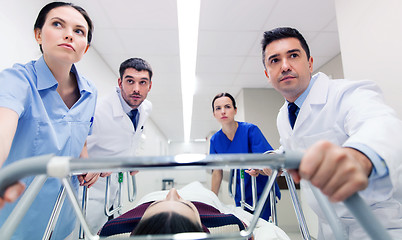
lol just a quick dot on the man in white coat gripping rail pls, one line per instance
(118, 125)
(352, 140)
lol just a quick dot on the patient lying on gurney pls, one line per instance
(166, 212)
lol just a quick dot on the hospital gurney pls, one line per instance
(61, 167)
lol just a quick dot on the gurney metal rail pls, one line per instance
(61, 167)
(109, 210)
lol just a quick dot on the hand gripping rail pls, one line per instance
(244, 204)
(62, 166)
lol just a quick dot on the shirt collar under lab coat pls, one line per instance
(126, 107)
(300, 100)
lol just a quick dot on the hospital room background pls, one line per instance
(358, 39)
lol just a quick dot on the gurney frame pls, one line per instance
(62, 167)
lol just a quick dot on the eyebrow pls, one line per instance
(290, 51)
(294, 50)
(225, 105)
(62, 20)
(129, 76)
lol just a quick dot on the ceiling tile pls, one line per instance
(138, 14)
(325, 44)
(225, 43)
(149, 42)
(252, 65)
(221, 64)
(301, 14)
(235, 15)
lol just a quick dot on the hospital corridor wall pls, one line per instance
(370, 35)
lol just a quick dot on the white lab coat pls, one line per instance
(346, 112)
(112, 135)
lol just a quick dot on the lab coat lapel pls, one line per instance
(317, 96)
(119, 114)
(283, 120)
(145, 110)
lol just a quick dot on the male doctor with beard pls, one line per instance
(352, 140)
(118, 124)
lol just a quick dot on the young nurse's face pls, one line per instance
(224, 111)
(174, 202)
(64, 35)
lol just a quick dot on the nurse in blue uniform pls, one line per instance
(237, 137)
(47, 107)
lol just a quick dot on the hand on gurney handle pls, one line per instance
(12, 193)
(338, 172)
(107, 174)
(265, 172)
(88, 179)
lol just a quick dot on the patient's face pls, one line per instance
(173, 202)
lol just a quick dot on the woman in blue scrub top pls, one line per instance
(46, 107)
(237, 137)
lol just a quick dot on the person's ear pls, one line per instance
(267, 75)
(310, 64)
(38, 35)
(86, 49)
(119, 82)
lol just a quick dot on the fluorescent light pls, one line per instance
(200, 140)
(188, 13)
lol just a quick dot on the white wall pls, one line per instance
(240, 99)
(370, 35)
(261, 106)
(96, 70)
(17, 44)
(333, 68)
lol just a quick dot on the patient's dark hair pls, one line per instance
(166, 223)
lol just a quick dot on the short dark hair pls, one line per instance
(219, 95)
(281, 33)
(136, 63)
(40, 20)
(166, 223)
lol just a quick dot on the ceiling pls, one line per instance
(229, 55)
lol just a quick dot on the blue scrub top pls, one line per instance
(45, 126)
(248, 139)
